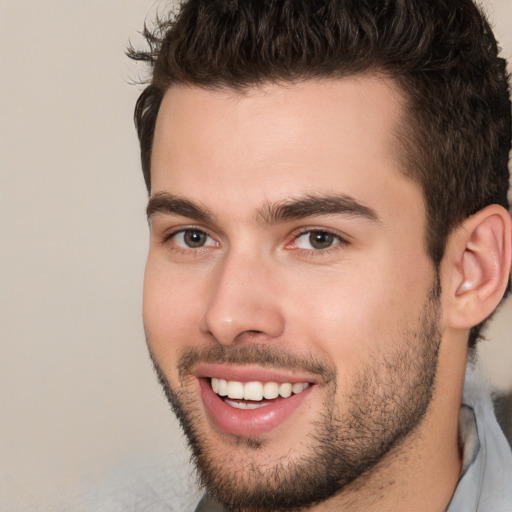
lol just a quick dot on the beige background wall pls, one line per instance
(77, 393)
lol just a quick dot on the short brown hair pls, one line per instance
(455, 140)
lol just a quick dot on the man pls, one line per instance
(329, 231)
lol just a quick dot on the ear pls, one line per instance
(477, 267)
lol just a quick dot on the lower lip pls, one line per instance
(249, 422)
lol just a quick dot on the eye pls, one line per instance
(317, 240)
(192, 239)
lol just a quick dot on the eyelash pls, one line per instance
(167, 240)
(339, 241)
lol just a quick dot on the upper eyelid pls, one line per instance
(343, 241)
(301, 231)
(169, 222)
(167, 234)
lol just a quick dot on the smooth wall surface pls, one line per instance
(78, 399)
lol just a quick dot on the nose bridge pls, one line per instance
(242, 299)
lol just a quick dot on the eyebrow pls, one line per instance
(162, 202)
(317, 204)
(289, 209)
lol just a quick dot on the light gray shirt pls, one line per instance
(485, 483)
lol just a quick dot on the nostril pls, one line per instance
(248, 332)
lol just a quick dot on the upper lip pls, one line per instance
(250, 373)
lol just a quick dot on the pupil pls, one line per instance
(195, 238)
(321, 239)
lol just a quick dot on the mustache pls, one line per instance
(266, 356)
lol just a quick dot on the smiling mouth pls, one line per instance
(255, 394)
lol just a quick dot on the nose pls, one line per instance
(243, 301)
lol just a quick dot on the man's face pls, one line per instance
(287, 269)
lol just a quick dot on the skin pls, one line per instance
(258, 281)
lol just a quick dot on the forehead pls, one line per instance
(272, 142)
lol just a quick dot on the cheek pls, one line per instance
(170, 313)
(355, 312)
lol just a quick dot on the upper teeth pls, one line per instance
(255, 390)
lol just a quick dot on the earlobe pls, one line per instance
(480, 254)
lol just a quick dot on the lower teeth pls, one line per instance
(245, 405)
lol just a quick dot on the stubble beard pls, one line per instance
(389, 401)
